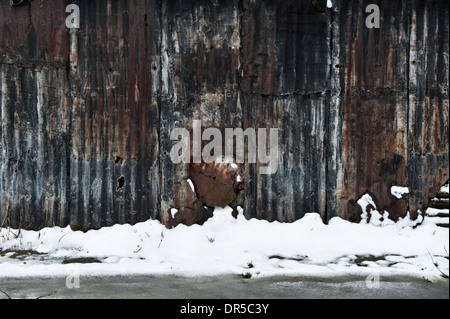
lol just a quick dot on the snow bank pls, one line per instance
(444, 188)
(225, 245)
(398, 191)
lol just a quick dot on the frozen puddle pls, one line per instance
(223, 287)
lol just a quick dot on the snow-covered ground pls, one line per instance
(225, 245)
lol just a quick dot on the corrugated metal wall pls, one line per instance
(86, 113)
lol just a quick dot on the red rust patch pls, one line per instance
(215, 185)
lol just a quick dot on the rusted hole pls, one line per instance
(118, 160)
(120, 182)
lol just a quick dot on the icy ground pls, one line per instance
(224, 245)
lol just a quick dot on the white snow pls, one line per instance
(371, 215)
(329, 4)
(444, 188)
(191, 184)
(173, 212)
(365, 201)
(398, 191)
(225, 245)
(368, 206)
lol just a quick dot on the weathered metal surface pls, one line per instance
(79, 111)
(395, 103)
(86, 113)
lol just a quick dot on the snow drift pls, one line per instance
(225, 245)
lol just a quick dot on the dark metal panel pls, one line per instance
(33, 55)
(381, 120)
(200, 59)
(428, 101)
(286, 85)
(114, 69)
(285, 48)
(298, 186)
(374, 106)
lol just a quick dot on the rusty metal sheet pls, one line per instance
(395, 104)
(86, 113)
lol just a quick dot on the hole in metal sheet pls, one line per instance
(120, 182)
(118, 160)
